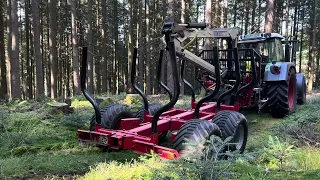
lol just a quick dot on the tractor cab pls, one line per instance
(268, 45)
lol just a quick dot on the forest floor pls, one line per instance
(37, 142)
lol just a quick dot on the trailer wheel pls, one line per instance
(111, 116)
(153, 108)
(282, 96)
(195, 130)
(233, 124)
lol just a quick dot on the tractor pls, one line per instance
(116, 127)
(279, 87)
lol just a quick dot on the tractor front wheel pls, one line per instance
(233, 124)
(282, 96)
(111, 116)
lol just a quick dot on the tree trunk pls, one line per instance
(98, 57)
(313, 47)
(90, 48)
(253, 17)
(208, 17)
(170, 14)
(141, 46)
(75, 56)
(37, 52)
(259, 16)
(182, 17)
(148, 78)
(295, 28)
(29, 64)
(15, 69)
(235, 13)
(301, 41)
(9, 50)
(104, 66)
(224, 14)
(217, 14)
(287, 18)
(130, 46)
(269, 16)
(3, 74)
(247, 19)
(116, 74)
(53, 46)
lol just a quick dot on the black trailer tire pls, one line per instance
(234, 124)
(301, 89)
(282, 96)
(111, 115)
(153, 108)
(195, 130)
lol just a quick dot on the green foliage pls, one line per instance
(58, 162)
(37, 136)
(76, 120)
(106, 102)
(277, 154)
(129, 170)
(206, 164)
(18, 135)
(302, 128)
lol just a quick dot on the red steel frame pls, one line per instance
(139, 137)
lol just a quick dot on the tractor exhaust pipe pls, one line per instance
(158, 75)
(133, 73)
(83, 76)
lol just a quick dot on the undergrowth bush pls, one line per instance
(76, 120)
(302, 127)
(276, 154)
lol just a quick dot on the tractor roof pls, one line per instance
(259, 37)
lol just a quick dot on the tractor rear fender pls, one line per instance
(300, 79)
(269, 74)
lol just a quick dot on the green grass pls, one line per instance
(36, 144)
(68, 161)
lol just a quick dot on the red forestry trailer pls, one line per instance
(116, 127)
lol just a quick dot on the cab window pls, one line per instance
(274, 50)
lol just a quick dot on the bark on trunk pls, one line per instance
(9, 50)
(3, 78)
(15, 69)
(90, 48)
(53, 46)
(130, 46)
(28, 60)
(75, 56)
(313, 48)
(104, 66)
(269, 16)
(37, 52)
(170, 11)
(148, 78)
